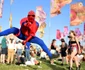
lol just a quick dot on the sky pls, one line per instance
(20, 9)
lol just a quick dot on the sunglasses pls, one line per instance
(31, 15)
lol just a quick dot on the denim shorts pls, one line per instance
(19, 52)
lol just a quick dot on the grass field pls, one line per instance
(45, 65)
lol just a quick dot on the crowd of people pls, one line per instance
(13, 51)
(16, 46)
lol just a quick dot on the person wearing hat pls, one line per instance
(27, 32)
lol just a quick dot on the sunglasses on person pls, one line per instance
(31, 15)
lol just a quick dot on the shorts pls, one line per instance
(4, 51)
(63, 54)
(19, 52)
(54, 53)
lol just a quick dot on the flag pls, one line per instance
(0, 12)
(58, 34)
(11, 2)
(77, 14)
(1, 7)
(2, 1)
(84, 33)
(84, 28)
(41, 29)
(10, 20)
(62, 35)
(0, 28)
(78, 32)
(40, 15)
(54, 9)
(56, 6)
(65, 30)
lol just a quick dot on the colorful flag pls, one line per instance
(78, 32)
(62, 35)
(1, 7)
(41, 29)
(58, 34)
(56, 6)
(65, 30)
(40, 15)
(11, 2)
(2, 1)
(77, 14)
(84, 28)
(84, 33)
(0, 28)
(10, 20)
(0, 12)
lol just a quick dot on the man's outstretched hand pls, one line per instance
(24, 42)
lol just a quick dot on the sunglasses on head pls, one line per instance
(31, 15)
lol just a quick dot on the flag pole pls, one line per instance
(49, 26)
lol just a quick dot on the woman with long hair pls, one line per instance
(75, 47)
(54, 50)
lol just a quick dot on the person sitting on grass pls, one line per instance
(33, 60)
(43, 55)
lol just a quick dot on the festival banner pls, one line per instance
(77, 14)
(84, 28)
(84, 33)
(40, 15)
(0, 28)
(56, 6)
(10, 20)
(11, 2)
(1, 7)
(58, 34)
(41, 29)
(65, 30)
(78, 32)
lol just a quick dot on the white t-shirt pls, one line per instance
(11, 43)
(19, 46)
(31, 62)
(43, 55)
